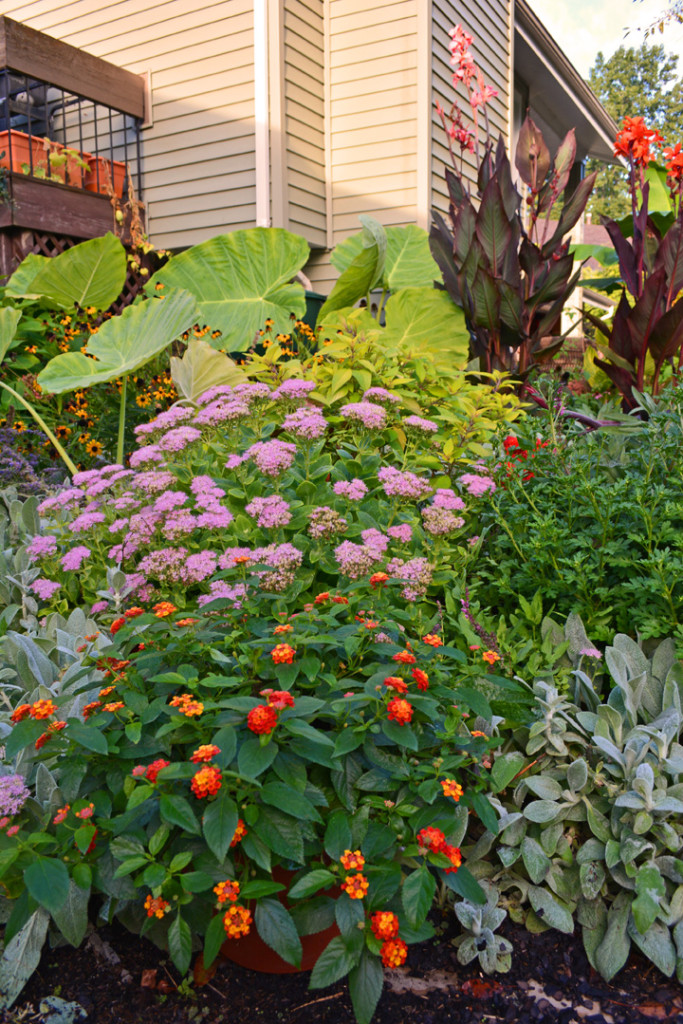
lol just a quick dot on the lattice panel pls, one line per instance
(49, 245)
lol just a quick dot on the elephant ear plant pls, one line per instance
(511, 274)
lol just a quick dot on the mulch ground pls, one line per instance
(120, 979)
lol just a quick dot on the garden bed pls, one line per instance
(120, 980)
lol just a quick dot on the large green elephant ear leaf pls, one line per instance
(201, 368)
(365, 270)
(240, 280)
(409, 262)
(421, 320)
(9, 318)
(93, 273)
(122, 344)
(19, 284)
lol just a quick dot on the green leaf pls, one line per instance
(401, 735)
(311, 883)
(176, 811)
(485, 812)
(337, 834)
(201, 368)
(551, 911)
(19, 284)
(83, 837)
(123, 344)
(23, 734)
(219, 824)
(277, 929)
(465, 884)
(196, 881)
(280, 833)
(87, 736)
(214, 939)
(277, 794)
(9, 318)
(365, 986)
(180, 944)
(92, 273)
(334, 962)
(21, 956)
(355, 282)
(505, 767)
(417, 895)
(240, 280)
(47, 880)
(409, 262)
(612, 953)
(416, 317)
(253, 758)
(72, 917)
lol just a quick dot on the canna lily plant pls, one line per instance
(511, 274)
(647, 328)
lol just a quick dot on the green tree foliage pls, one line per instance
(634, 82)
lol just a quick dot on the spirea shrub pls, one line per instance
(254, 489)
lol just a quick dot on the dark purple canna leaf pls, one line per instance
(464, 231)
(622, 379)
(441, 247)
(509, 194)
(551, 283)
(627, 257)
(532, 158)
(549, 316)
(647, 311)
(667, 336)
(492, 226)
(571, 212)
(456, 188)
(511, 307)
(670, 257)
(485, 300)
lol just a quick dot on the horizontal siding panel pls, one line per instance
(307, 100)
(361, 136)
(404, 163)
(314, 188)
(394, 217)
(311, 62)
(306, 199)
(239, 101)
(372, 119)
(167, 238)
(175, 214)
(371, 52)
(212, 136)
(307, 219)
(381, 65)
(199, 202)
(218, 178)
(376, 100)
(306, 157)
(368, 150)
(305, 33)
(404, 77)
(376, 14)
(390, 198)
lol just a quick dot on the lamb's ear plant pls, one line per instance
(593, 832)
(479, 942)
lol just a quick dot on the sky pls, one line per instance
(583, 27)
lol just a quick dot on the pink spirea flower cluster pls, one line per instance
(372, 417)
(417, 573)
(356, 560)
(420, 424)
(477, 485)
(73, 559)
(382, 396)
(325, 522)
(354, 490)
(397, 484)
(306, 423)
(269, 512)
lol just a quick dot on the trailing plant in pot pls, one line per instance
(511, 273)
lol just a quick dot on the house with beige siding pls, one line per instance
(306, 113)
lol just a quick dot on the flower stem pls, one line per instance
(43, 426)
(122, 421)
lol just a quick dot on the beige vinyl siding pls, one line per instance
(488, 22)
(198, 156)
(304, 76)
(373, 118)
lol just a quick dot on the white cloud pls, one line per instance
(583, 27)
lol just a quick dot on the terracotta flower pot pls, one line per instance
(23, 147)
(252, 952)
(109, 171)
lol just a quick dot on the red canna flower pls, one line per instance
(634, 140)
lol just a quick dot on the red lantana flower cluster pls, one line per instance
(434, 840)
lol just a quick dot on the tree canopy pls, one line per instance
(635, 82)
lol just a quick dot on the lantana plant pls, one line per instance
(331, 743)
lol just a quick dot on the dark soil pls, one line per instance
(120, 979)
